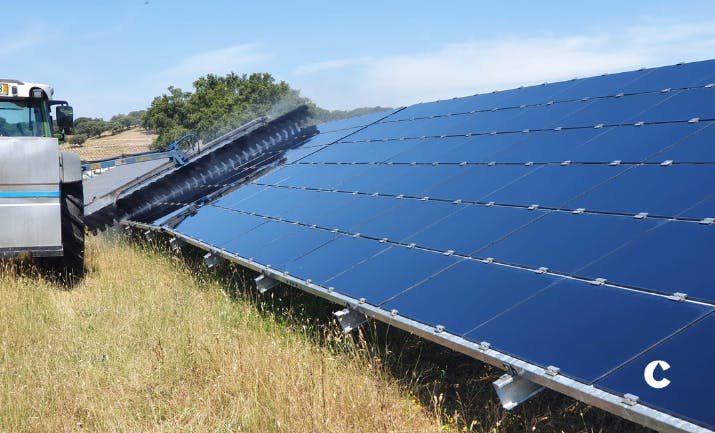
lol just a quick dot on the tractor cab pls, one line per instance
(25, 110)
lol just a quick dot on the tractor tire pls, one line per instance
(70, 267)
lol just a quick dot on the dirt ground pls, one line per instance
(134, 140)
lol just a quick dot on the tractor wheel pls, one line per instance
(70, 266)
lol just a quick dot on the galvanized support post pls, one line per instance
(149, 236)
(212, 259)
(514, 390)
(176, 244)
(265, 283)
(350, 320)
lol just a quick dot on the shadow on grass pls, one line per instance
(25, 266)
(449, 385)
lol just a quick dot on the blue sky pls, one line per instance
(109, 57)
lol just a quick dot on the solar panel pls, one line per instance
(565, 229)
(685, 353)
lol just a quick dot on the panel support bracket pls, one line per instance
(212, 259)
(514, 390)
(265, 283)
(176, 244)
(349, 319)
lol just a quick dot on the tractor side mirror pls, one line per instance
(65, 118)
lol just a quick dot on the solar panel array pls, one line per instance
(568, 225)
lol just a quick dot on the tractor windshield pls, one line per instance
(23, 118)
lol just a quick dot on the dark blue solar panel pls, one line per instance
(405, 220)
(315, 176)
(654, 189)
(335, 210)
(252, 243)
(683, 105)
(699, 146)
(705, 207)
(486, 101)
(621, 173)
(467, 295)
(331, 132)
(476, 182)
(632, 143)
(295, 242)
(687, 391)
(623, 143)
(215, 226)
(585, 330)
(604, 85)
(479, 148)
(333, 258)
(293, 155)
(547, 146)
(262, 200)
(473, 227)
(615, 111)
(414, 181)
(566, 242)
(325, 138)
(357, 210)
(672, 257)
(361, 152)
(539, 94)
(673, 77)
(354, 122)
(542, 116)
(554, 185)
(389, 273)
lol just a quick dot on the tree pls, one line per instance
(90, 127)
(135, 117)
(167, 115)
(217, 105)
(78, 139)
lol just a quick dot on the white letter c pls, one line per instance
(648, 374)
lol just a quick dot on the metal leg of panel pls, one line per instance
(265, 283)
(176, 244)
(350, 320)
(513, 390)
(211, 259)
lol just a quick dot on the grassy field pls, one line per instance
(150, 341)
(133, 140)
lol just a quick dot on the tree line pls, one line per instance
(216, 105)
(87, 127)
(219, 104)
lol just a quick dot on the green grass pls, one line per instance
(150, 341)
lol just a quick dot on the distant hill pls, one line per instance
(133, 140)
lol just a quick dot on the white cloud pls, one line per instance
(312, 68)
(236, 58)
(221, 61)
(483, 65)
(17, 44)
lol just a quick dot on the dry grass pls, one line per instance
(149, 341)
(134, 140)
(144, 344)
